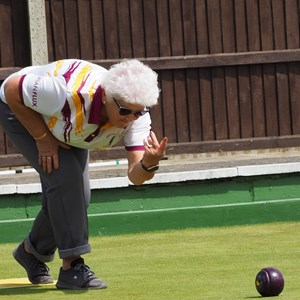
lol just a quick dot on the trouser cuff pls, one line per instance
(74, 251)
(40, 257)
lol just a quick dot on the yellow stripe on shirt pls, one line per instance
(76, 98)
(92, 90)
(58, 66)
(52, 122)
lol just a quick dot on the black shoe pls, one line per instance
(79, 277)
(37, 271)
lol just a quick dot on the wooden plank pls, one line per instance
(2, 142)
(6, 32)
(164, 113)
(265, 17)
(282, 143)
(163, 124)
(98, 30)
(231, 88)
(192, 82)
(85, 29)
(137, 28)
(228, 26)
(168, 105)
(241, 26)
(181, 106)
(219, 104)
(214, 60)
(5, 72)
(124, 29)
(292, 23)
(164, 36)
(58, 26)
(245, 102)
(72, 32)
(207, 115)
(270, 100)
(255, 71)
(294, 80)
(269, 83)
(253, 25)
(235, 145)
(202, 30)
(232, 100)
(224, 59)
(177, 46)
(157, 114)
(258, 104)
(49, 31)
(22, 53)
(194, 109)
(10, 147)
(214, 24)
(292, 37)
(111, 29)
(283, 94)
(189, 27)
(279, 24)
(151, 29)
(218, 84)
(12, 160)
(176, 26)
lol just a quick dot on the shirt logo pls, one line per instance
(34, 92)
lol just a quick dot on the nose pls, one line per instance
(132, 117)
(135, 117)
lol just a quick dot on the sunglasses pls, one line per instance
(123, 111)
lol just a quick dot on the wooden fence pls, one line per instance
(229, 70)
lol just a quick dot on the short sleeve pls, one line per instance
(44, 94)
(138, 131)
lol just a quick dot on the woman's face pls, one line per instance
(113, 108)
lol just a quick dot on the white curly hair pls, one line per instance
(133, 82)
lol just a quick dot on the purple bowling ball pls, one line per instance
(269, 282)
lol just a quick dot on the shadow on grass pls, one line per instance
(36, 290)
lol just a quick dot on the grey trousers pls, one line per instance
(62, 221)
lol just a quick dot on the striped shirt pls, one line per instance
(68, 94)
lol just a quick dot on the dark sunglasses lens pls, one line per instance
(124, 111)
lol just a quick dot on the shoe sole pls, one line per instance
(18, 258)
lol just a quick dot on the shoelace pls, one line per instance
(85, 271)
(41, 268)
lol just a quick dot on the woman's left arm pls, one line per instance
(142, 164)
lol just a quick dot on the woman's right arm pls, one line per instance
(30, 119)
(34, 123)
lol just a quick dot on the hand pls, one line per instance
(48, 152)
(154, 150)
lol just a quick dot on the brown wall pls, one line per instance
(228, 69)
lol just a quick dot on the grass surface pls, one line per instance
(214, 263)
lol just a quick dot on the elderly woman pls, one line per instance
(54, 114)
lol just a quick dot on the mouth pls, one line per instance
(122, 123)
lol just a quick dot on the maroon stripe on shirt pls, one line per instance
(135, 148)
(92, 135)
(66, 112)
(96, 107)
(20, 86)
(72, 68)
